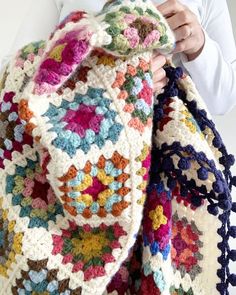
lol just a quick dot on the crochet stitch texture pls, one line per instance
(104, 188)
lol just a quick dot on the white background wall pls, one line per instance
(11, 15)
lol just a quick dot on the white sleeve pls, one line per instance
(214, 70)
(40, 20)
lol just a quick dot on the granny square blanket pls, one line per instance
(105, 186)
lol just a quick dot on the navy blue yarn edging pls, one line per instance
(220, 195)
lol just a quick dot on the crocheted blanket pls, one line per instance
(106, 188)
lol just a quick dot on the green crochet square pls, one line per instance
(136, 28)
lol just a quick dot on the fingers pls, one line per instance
(159, 76)
(158, 61)
(160, 85)
(186, 27)
(170, 7)
(159, 80)
(184, 45)
(183, 32)
(179, 19)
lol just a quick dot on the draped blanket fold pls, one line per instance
(106, 188)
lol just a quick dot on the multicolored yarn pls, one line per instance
(135, 87)
(186, 246)
(105, 189)
(28, 188)
(97, 189)
(194, 190)
(133, 28)
(12, 134)
(38, 279)
(10, 241)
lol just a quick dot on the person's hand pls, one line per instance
(159, 74)
(187, 29)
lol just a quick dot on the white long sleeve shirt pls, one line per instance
(213, 71)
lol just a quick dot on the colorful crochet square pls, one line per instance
(88, 249)
(86, 121)
(97, 189)
(135, 28)
(186, 246)
(67, 52)
(10, 241)
(29, 52)
(157, 221)
(28, 188)
(38, 279)
(12, 129)
(136, 88)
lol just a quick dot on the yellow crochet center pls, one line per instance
(89, 245)
(157, 217)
